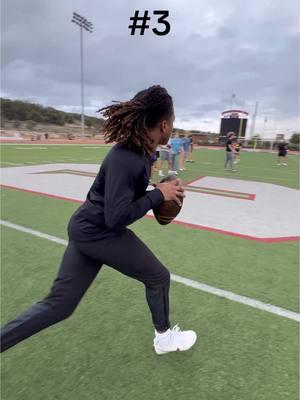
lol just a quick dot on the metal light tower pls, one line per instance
(252, 132)
(83, 23)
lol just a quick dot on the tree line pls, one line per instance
(17, 110)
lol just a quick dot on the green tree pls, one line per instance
(30, 125)
(69, 119)
(295, 138)
(88, 123)
(35, 115)
(17, 110)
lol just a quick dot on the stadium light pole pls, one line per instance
(254, 115)
(83, 23)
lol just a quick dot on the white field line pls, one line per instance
(10, 163)
(185, 281)
(31, 148)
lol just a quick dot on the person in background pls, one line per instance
(236, 155)
(282, 153)
(164, 151)
(176, 149)
(191, 148)
(229, 151)
(153, 164)
(185, 153)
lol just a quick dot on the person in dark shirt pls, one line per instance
(190, 157)
(282, 152)
(229, 151)
(98, 232)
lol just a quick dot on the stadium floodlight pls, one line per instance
(83, 23)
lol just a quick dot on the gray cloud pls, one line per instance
(212, 51)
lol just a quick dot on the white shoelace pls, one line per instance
(176, 328)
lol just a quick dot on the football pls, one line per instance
(168, 210)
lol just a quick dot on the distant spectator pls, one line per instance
(176, 148)
(282, 153)
(229, 151)
(236, 154)
(164, 152)
(191, 148)
(185, 153)
(153, 163)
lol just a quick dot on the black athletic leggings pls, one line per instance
(80, 264)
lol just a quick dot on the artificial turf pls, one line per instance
(104, 351)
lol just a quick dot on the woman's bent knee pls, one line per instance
(161, 279)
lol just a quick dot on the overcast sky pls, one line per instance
(215, 49)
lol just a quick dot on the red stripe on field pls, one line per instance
(189, 225)
(194, 180)
(42, 194)
(250, 195)
(239, 235)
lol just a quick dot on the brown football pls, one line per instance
(167, 210)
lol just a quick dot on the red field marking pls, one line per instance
(250, 196)
(41, 194)
(189, 225)
(194, 180)
(239, 235)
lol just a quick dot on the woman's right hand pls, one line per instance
(172, 190)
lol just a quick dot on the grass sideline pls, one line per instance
(104, 350)
(260, 167)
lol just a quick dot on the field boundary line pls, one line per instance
(179, 279)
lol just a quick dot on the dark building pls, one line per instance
(233, 121)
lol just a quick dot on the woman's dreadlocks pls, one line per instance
(128, 122)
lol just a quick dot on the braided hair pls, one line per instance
(128, 122)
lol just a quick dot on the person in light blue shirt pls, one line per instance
(185, 153)
(176, 149)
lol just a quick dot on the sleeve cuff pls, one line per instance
(156, 197)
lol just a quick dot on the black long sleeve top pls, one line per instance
(117, 198)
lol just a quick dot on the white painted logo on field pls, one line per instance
(272, 214)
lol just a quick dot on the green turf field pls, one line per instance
(104, 350)
(261, 167)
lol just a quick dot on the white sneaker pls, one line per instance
(160, 173)
(170, 172)
(173, 340)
